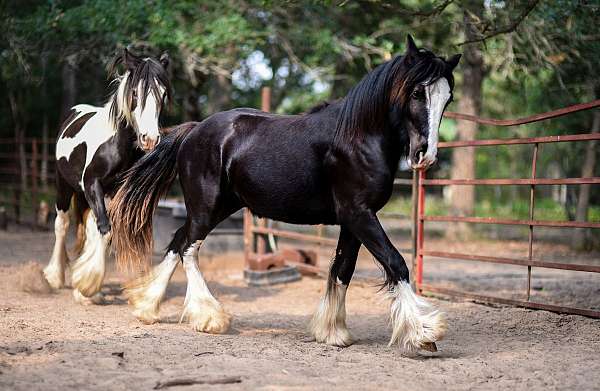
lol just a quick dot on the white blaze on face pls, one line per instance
(146, 116)
(437, 95)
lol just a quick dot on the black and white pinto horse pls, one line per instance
(333, 165)
(94, 146)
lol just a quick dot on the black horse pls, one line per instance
(94, 146)
(333, 165)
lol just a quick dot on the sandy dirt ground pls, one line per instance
(49, 342)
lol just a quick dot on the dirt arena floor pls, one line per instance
(48, 342)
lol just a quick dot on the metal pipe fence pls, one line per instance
(531, 222)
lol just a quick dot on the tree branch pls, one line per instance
(505, 29)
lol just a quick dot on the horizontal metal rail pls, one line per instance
(516, 181)
(294, 235)
(491, 220)
(525, 120)
(520, 141)
(518, 303)
(512, 261)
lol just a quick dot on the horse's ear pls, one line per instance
(453, 61)
(411, 46)
(130, 60)
(164, 60)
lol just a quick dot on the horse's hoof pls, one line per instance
(208, 317)
(146, 317)
(96, 299)
(429, 346)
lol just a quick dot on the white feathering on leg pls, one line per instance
(146, 293)
(202, 310)
(55, 271)
(415, 322)
(88, 270)
(328, 324)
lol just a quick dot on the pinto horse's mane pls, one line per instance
(367, 106)
(152, 76)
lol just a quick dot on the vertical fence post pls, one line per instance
(531, 214)
(414, 226)
(420, 233)
(261, 241)
(34, 180)
(248, 236)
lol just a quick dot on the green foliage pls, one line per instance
(313, 51)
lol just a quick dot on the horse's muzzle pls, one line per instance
(425, 161)
(148, 143)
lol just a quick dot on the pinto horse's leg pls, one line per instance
(328, 324)
(202, 310)
(146, 293)
(415, 323)
(88, 270)
(55, 271)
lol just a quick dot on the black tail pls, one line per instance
(132, 207)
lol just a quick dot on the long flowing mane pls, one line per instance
(367, 106)
(152, 76)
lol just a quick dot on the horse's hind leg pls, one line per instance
(328, 324)
(55, 271)
(88, 271)
(202, 310)
(146, 292)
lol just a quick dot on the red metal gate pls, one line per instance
(531, 222)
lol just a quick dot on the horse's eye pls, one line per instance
(418, 94)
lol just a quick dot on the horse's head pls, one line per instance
(143, 91)
(423, 91)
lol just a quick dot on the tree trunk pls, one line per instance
(45, 125)
(581, 236)
(69, 80)
(462, 198)
(21, 176)
(219, 95)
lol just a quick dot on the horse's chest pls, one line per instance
(85, 152)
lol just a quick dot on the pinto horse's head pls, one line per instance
(421, 95)
(143, 90)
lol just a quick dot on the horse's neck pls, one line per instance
(387, 138)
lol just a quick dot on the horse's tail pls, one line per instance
(132, 207)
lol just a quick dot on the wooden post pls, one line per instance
(420, 231)
(261, 241)
(414, 227)
(34, 180)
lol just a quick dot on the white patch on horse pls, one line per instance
(437, 95)
(95, 132)
(202, 310)
(55, 271)
(328, 324)
(147, 117)
(87, 273)
(415, 322)
(146, 293)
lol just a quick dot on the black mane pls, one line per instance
(148, 71)
(367, 105)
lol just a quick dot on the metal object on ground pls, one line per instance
(278, 275)
(281, 266)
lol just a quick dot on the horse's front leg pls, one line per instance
(415, 323)
(328, 324)
(88, 270)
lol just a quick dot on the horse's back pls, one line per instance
(270, 161)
